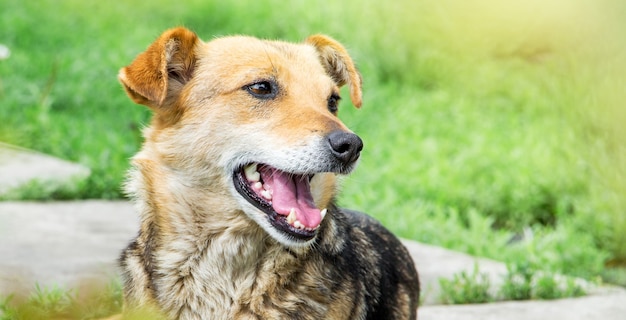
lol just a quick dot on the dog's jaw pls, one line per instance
(285, 190)
(280, 202)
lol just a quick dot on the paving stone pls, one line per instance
(608, 304)
(449, 263)
(61, 243)
(19, 166)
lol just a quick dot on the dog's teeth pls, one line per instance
(266, 194)
(251, 167)
(323, 213)
(257, 185)
(298, 225)
(292, 216)
(251, 174)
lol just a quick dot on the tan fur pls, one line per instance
(202, 252)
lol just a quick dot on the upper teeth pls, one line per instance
(251, 174)
(254, 176)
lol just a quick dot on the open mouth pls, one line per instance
(285, 198)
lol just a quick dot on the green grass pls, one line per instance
(465, 288)
(92, 301)
(525, 281)
(522, 282)
(479, 119)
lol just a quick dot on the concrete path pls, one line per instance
(62, 243)
(610, 304)
(19, 166)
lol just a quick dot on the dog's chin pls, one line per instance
(285, 238)
(280, 202)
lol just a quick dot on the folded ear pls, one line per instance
(162, 70)
(338, 65)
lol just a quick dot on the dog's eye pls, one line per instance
(333, 103)
(262, 89)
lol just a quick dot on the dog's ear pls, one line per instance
(338, 65)
(161, 70)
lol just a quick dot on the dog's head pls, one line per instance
(258, 118)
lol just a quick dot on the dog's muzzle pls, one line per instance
(285, 196)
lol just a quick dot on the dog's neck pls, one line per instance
(200, 242)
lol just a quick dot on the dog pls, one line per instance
(235, 186)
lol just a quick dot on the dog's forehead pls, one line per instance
(250, 48)
(241, 57)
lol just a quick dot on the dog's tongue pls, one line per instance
(292, 191)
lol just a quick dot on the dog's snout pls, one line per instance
(345, 146)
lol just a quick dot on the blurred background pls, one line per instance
(494, 128)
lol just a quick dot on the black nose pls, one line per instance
(345, 146)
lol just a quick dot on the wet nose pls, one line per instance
(345, 146)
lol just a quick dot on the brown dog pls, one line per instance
(235, 185)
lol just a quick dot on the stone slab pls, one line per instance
(19, 166)
(608, 304)
(434, 262)
(60, 243)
